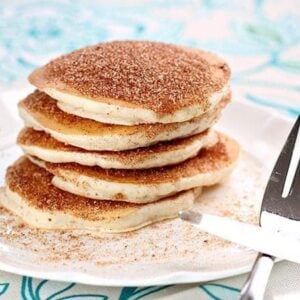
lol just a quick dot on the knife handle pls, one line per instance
(255, 285)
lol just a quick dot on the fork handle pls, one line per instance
(255, 285)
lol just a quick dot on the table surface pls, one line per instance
(259, 39)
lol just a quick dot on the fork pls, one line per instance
(282, 201)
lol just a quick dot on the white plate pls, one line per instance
(167, 252)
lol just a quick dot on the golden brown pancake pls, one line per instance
(41, 112)
(45, 147)
(209, 167)
(134, 82)
(31, 195)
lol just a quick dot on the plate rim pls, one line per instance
(178, 277)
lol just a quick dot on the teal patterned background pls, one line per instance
(34, 289)
(260, 39)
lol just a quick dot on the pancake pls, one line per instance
(209, 167)
(135, 82)
(43, 146)
(32, 197)
(40, 111)
(89, 109)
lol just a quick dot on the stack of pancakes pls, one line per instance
(118, 136)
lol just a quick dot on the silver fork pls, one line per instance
(280, 210)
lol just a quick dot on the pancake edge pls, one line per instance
(102, 110)
(120, 142)
(95, 188)
(106, 161)
(159, 211)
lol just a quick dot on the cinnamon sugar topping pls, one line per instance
(153, 75)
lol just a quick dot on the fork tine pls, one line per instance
(295, 189)
(294, 164)
(277, 180)
(273, 201)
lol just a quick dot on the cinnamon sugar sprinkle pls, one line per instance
(158, 76)
(174, 242)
